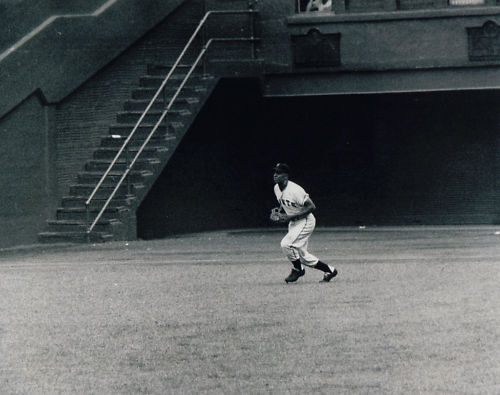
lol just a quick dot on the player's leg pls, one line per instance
(310, 260)
(287, 244)
(298, 232)
(301, 244)
(299, 239)
(292, 254)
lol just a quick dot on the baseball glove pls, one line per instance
(277, 215)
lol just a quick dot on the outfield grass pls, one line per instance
(413, 310)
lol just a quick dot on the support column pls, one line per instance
(339, 6)
(51, 188)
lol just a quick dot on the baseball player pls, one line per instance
(297, 207)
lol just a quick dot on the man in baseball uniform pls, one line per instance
(298, 207)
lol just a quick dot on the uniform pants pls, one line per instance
(294, 244)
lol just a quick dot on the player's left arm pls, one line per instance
(306, 209)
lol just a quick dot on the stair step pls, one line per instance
(116, 140)
(105, 190)
(110, 152)
(103, 164)
(160, 69)
(65, 225)
(124, 129)
(180, 102)
(93, 177)
(97, 203)
(81, 214)
(148, 93)
(155, 81)
(74, 237)
(151, 116)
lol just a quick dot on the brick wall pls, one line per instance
(45, 144)
(85, 116)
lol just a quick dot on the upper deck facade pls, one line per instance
(365, 46)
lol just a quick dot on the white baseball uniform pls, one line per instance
(294, 244)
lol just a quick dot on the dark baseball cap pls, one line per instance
(282, 168)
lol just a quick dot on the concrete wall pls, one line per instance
(229, 151)
(19, 17)
(45, 144)
(26, 196)
(71, 49)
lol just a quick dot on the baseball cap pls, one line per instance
(282, 168)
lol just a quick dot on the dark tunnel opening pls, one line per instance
(381, 159)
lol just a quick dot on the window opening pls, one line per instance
(314, 5)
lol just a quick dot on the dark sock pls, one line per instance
(297, 265)
(323, 267)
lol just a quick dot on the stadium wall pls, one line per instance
(60, 95)
(22, 16)
(379, 40)
(70, 108)
(72, 48)
(402, 130)
(28, 170)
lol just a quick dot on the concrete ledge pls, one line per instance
(382, 81)
(329, 17)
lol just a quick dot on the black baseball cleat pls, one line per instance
(329, 276)
(295, 275)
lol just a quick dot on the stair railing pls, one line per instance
(125, 144)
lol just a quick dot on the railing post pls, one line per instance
(127, 161)
(204, 40)
(87, 221)
(251, 6)
(87, 213)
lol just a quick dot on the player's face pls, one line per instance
(280, 177)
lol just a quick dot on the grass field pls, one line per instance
(413, 310)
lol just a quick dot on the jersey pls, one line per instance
(292, 198)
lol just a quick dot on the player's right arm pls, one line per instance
(307, 208)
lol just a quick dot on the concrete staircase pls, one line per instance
(118, 221)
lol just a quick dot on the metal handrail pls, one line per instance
(165, 112)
